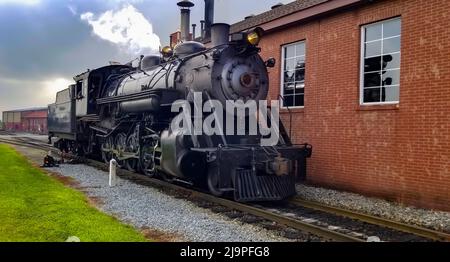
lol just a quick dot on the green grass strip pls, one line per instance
(35, 207)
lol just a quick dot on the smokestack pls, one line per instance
(202, 29)
(193, 31)
(185, 7)
(220, 34)
(209, 17)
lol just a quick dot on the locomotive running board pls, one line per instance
(253, 188)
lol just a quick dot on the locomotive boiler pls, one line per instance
(126, 113)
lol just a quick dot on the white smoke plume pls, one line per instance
(126, 27)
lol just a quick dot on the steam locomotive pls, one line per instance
(126, 113)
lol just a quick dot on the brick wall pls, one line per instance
(401, 153)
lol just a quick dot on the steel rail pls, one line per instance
(290, 222)
(383, 222)
(27, 144)
(293, 223)
(407, 228)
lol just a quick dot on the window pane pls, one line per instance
(373, 49)
(294, 74)
(391, 94)
(300, 49)
(392, 28)
(373, 33)
(288, 101)
(289, 64)
(289, 86)
(299, 75)
(300, 63)
(372, 64)
(289, 52)
(391, 61)
(299, 100)
(300, 88)
(372, 95)
(289, 76)
(391, 77)
(372, 79)
(288, 89)
(391, 45)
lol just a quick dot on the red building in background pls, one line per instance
(32, 120)
(367, 84)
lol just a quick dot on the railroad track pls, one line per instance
(36, 145)
(292, 223)
(259, 212)
(398, 226)
(4, 132)
(323, 232)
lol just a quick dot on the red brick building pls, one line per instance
(27, 120)
(368, 84)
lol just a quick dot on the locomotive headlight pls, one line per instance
(253, 38)
(167, 51)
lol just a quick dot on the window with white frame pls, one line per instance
(293, 75)
(380, 60)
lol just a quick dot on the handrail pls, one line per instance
(290, 116)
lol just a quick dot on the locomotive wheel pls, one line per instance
(107, 146)
(64, 146)
(120, 146)
(132, 164)
(84, 149)
(146, 159)
(213, 183)
(80, 150)
(70, 149)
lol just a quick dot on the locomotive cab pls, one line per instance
(94, 84)
(81, 98)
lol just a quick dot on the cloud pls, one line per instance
(72, 9)
(52, 86)
(126, 27)
(27, 93)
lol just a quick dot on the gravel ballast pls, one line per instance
(427, 218)
(149, 208)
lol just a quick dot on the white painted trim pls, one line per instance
(387, 38)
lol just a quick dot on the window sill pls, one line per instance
(292, 110)
(378, 107)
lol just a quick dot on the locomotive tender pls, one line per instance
(124, 112)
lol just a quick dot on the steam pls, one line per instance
(126, 27)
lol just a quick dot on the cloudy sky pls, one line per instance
(44, 43)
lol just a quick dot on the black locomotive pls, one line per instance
(125, 112)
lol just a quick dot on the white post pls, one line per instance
(112, 173)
